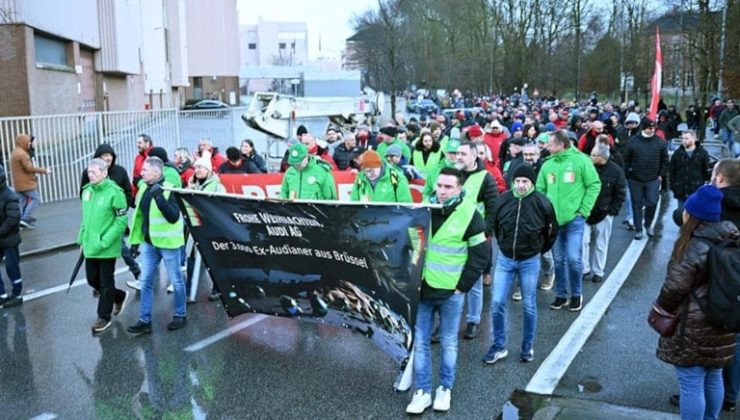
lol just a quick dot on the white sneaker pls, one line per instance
(548, 282)
(134, 284)
(517, 295)
(170, 288)
(442, 399)
(420, 402)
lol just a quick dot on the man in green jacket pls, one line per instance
(568, 178)
(449, 161)
(379, 182)
(308, 178)
(388, 136)
(104, 209)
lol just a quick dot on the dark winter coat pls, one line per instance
(524, 226)
(343, 156)
(645, 158)
(696, 342)
(687, 174)
(10, 214)
(612, 194)
(258, 160)
(731, 204)
(116, 173)
(243, 166)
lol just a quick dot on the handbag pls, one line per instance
(662, 321)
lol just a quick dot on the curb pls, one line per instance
(47, 250)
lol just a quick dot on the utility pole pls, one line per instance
(722, 52)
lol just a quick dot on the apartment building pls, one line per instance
(71, 56)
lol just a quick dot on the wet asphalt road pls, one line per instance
(276, 367)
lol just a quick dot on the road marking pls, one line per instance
(79, 282)
(200, 345)
(547, 377)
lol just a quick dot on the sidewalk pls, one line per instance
(56, 224)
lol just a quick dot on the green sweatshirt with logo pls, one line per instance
(569, 179)
(104, 219)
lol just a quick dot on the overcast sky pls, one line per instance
(330, 19)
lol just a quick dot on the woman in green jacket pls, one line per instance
(104, 210)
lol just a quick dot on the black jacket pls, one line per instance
(687, 174)
(612, 195)
(115, 172)
(731, 204)
(258, 161)
(10, 215)
(477, 255)
(343, 156)
(487, 194)
(244, 166)
(645, 158)
(524, 227)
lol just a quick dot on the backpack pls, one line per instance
(723, 269)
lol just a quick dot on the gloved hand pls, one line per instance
(156, 191)
(134, 251)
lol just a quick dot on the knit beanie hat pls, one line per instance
(204, 162)
(394, 150)
(474, 131)
(370, 159)
(525, 171)
(632, 117)
(160, 153)
(705, 204)
(517, 126)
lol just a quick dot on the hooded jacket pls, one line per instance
(116, 173)
(22, 168)
(696, 342)
(571, 182)
(314, 182)
(10, 214)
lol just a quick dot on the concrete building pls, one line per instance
(213, 50)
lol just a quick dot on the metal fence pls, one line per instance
(66, 143)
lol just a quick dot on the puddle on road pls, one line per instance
(590, 385)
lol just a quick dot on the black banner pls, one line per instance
(355, 266)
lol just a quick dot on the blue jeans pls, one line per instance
(27, 200)
(628, 203)
(475, 302)
(12, 269)
(150, 258)
(506, 270)
(701, 392)
(449, 310)
(728, 137)
(731, 375)
(568, 263)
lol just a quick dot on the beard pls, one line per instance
(460, 166)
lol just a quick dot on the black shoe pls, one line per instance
(136, 274)
(95, 293)
(13, 301)
(674, 400)
(597, 279)
(576, 303)
(435, 335)
(100, 325)
(3, 300)
(728, 405)
(177, 323)
(650, 232)
(559, 303)
(587, 275)
(471, 331)
(140, 328)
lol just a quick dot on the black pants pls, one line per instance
(101, 278)
(644, 194)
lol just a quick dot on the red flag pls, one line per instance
(657, 81)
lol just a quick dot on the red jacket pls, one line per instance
(493, 141)
(496, 174)
(138, 164)
(588, 140)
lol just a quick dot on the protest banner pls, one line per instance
(353, 265)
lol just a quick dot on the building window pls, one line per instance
(281, 45)
(252, 46)
(50, 52)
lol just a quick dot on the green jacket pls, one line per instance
(431, 179)
(405, 151)
(314, 182)
(569, 179)
(104, 218)
(391, 187)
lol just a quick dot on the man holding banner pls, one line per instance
(456, 256)
(308, 178)
(158, 228)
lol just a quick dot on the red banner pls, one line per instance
(657, 81)
(268, 185)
